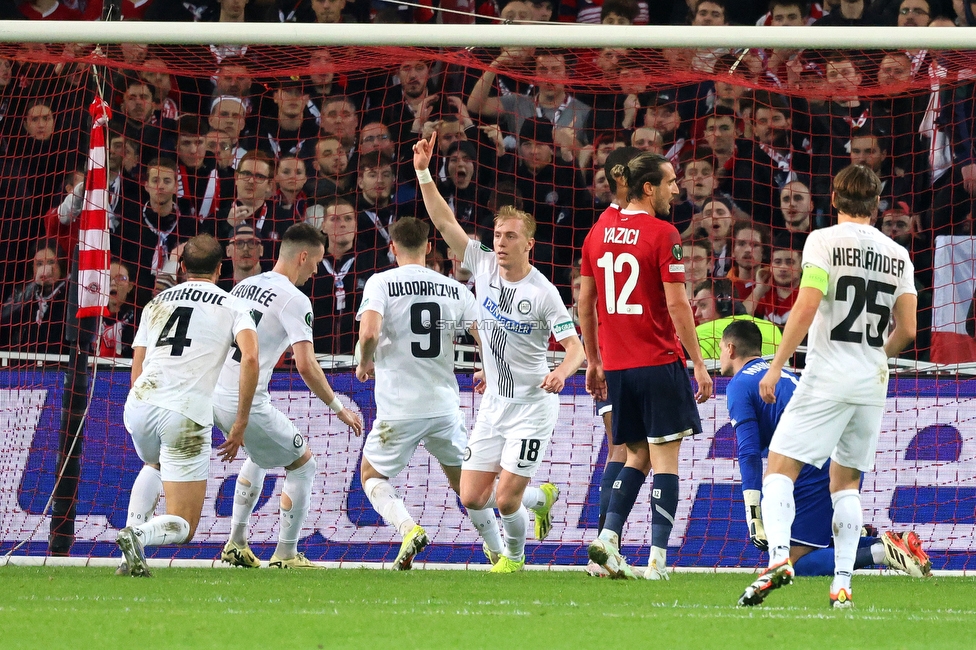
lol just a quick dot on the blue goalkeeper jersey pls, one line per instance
(754, 422)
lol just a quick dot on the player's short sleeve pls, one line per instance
(906, 283)
(815, 251)
(374, 297)
(477, 258)
(296, 319)
(669, 254)
(469, 309)
(586, 269)
(141, 339)
(561, 324)
(242, 319)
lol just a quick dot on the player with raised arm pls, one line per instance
(409, 318)
(519, 309)
(754, 421)
(283, 315)
(179, 348)
(855, 280)
(635, 316)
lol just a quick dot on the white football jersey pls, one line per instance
(187, 331)
(422, 312)
(515, 321)
(866, 272)
(283, 316)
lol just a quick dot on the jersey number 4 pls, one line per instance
(180, 321)
(617, 304)
(866, 293)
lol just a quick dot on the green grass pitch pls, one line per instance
(91, 608)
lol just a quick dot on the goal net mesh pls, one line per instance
(754, 135)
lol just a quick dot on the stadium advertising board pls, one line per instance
(925, 479)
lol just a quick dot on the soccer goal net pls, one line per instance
(242, 140)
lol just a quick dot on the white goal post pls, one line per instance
(548, 35)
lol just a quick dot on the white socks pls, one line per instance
(389, 505)
(515, 526)
(164, 529)
(778, 511)
(486, 524)
(298, 487)
(532, 498)
(846, 523)
(250, 482)
(144, 496)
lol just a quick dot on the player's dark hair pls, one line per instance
(202, 256)
(616, 163)
(857, 190)
(303, 235)
(745, 336)
(410, 233)
(646, 168)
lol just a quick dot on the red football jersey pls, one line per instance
(630, 255)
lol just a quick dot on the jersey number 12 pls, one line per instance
(617, 304)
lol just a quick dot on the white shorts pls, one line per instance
(180, 446)
(813, 429)
(509, 436)
(271, 439)
(391, 443)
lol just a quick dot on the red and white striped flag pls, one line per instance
(94, 277)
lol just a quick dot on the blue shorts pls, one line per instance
(814, 511)
(652, 403)
(603, 406)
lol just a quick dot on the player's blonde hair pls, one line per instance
(507, 212)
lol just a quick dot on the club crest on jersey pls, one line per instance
(308, 319)
(298, 441)
(620, 235)
(677, 252)
(467, 453)
(524, 307)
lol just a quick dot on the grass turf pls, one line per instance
(359, 608)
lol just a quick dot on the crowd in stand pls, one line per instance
(243, 158)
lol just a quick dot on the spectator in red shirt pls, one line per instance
(777, 287)
(635, 318)
(48, 10)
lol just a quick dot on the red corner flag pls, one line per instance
(93, 248)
